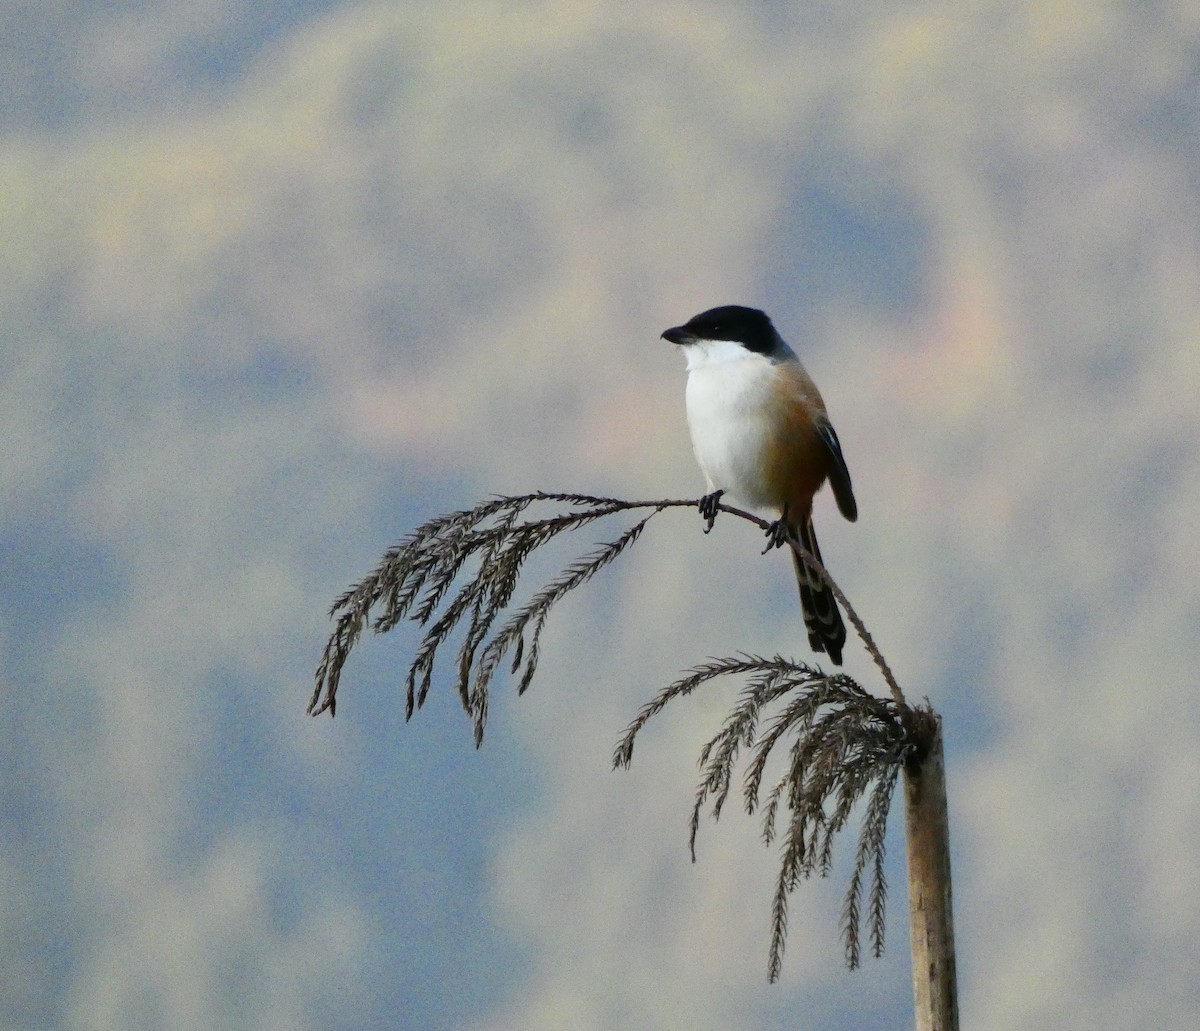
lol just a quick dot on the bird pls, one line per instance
(761, 433)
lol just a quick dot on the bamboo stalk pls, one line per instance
(931, 921)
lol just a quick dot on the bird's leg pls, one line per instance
(778, 532)
(708, 508)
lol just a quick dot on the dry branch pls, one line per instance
(837, 744)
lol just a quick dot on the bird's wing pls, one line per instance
(839, 475)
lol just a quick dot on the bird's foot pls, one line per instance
(708, 508)
(777, 534)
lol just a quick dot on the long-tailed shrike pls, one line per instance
(760, 431)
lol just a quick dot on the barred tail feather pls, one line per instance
(822, 618)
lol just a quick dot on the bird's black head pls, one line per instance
(747, 326)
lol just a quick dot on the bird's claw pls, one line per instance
(709, 505)
(777, 535)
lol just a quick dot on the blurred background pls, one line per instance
(282, 281)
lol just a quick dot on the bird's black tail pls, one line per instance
(822, 618)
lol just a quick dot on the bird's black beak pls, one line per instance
(678, 335)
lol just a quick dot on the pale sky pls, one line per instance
(279, 287)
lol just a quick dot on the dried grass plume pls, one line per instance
(837, 747)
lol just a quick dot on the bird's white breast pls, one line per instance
(730, 401)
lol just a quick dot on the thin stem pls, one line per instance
(859, 626)
(439, 549)
(851, 614)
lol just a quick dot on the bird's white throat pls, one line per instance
(703, 353)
